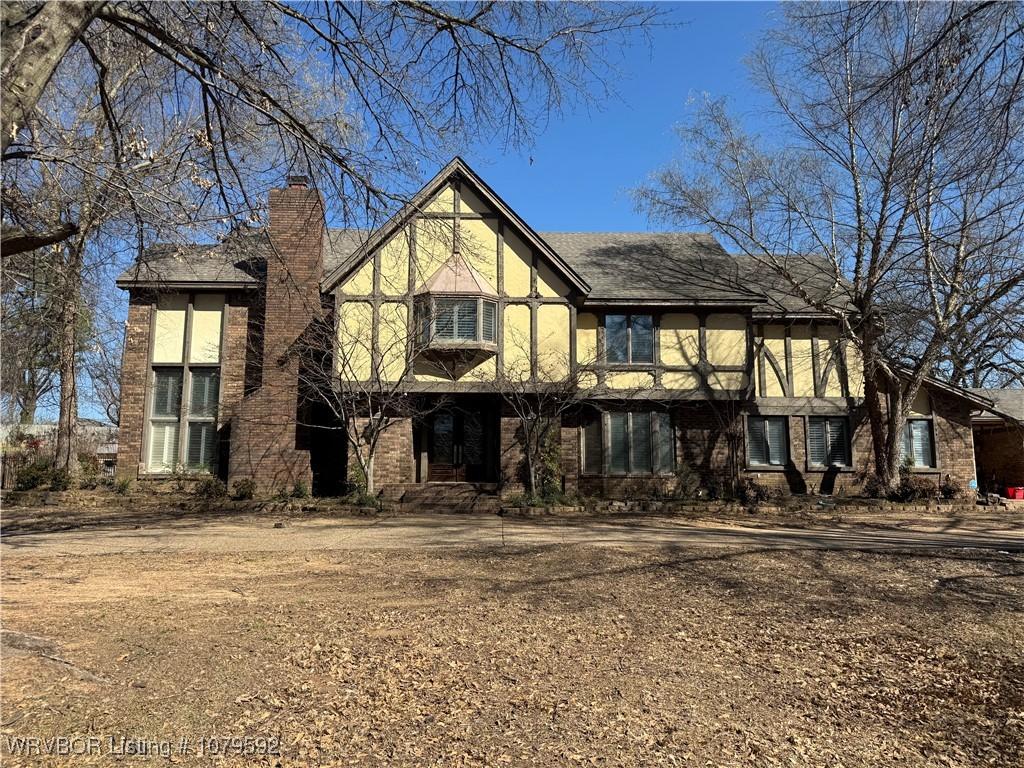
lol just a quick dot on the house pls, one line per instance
(685, 356)
(999, 440)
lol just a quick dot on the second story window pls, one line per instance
(629, 338)
(449, 319)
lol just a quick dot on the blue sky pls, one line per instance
(578, 174)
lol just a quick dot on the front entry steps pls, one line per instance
(442, 498)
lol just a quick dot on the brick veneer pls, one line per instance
(394, 461)
(264, 428)
(134, 377)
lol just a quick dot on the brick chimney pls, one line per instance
(263, 434)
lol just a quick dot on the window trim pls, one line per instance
(147, 469)
(629, 361)
(810, 465)
(603, 418)
(746, 444)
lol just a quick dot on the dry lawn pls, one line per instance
(550, 656)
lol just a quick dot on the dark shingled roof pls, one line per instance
(688, 268)
(1006, 401)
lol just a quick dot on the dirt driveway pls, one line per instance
(257, 534)
(485, 641)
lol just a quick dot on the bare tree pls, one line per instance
(360, 373)
(540, 392)
(396, 82)
(898, 165)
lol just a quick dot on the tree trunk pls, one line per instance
(368, 471)
(35, 39)
(29, 399)
(67, 422)
(879, 417)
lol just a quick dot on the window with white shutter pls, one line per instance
(828, 441)
(767, 441)
(919, 443)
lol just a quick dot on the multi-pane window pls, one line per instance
(638, 443)
(828, 441)
(185, 384)
(918, 443)
(629, 338)
(456, 319)
(767, 441)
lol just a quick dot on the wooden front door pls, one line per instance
(456, 447)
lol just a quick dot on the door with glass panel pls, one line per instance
(456, 449)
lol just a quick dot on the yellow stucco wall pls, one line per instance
(517, 266)
(828, 351)
(553, 341)
(393, 337)
(629, 380)
(354, 359)
(586, 338)
(204, 337)
(775, 342)
(726, 339)
(680, 380)
(478, 243)
(679, 338)
(394, 264)
(361, 281)
(516, 339)
(803, 363)
(471, 204)
(435, 243)
(548, 283)
(443, 202)
(854, 371)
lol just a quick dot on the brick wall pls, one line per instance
(264, 429)
(510, 458)
(394, 461)
(134, 377)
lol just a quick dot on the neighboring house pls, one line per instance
(999, 440)
(689, 355)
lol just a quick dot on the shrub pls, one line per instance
(34, 475)
(60, 480)
(912, 488)
(873, 487)
(687, 484)
(754, 493)
(210, 489)
(300, 490)
(243, 490)
(122, 486)
(951, 489)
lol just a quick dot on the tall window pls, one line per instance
(767, 441)
(638, 443)
(185, 384)
(918, 443)
(629, 338)
(828, 441)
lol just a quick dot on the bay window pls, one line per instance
(451, 319)
(185, 382)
